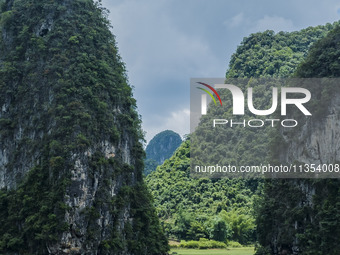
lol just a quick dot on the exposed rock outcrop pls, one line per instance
(71, 160)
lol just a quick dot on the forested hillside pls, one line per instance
(302, 216)
(244, 146)
(191, 208)
(201, 208)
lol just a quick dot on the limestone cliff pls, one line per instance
(318, 140)
(301, 216)
(71, 160)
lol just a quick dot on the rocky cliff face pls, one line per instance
(318, 141)
(299, 204)
(71, 160)
(303, 210)
(300, 216)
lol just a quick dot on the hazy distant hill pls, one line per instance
(161, 147)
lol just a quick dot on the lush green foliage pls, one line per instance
(323, 58)
(274, 55)
(217, 209)
(305, 211)
(67, 89)
(191, 208)
(203, 244)
(286, 213)
(150, 165)
(247, 146)
(161, 147)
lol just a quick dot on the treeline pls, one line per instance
(266, 54)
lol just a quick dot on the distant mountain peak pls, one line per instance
(161, 147)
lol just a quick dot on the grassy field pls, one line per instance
(229, 251)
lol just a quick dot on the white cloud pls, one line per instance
(178, 121)
(235, 21)
(151, 42)
(273, 23)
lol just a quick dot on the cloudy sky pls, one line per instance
(164, 43)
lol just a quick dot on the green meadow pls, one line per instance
(229, 251)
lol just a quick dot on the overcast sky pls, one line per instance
(164, 43)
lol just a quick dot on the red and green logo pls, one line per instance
(209, 93)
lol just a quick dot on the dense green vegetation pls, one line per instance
(266, 54)
(305, 213)
(66, 90)
(216, 209)
(191, 209)
(258, 52)
(202, 244)
(161, 147)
